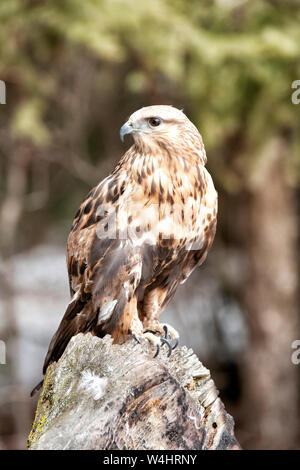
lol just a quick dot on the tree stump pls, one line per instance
(105, 396)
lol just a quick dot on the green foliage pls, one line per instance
(28, 121)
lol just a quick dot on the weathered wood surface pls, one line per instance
(105, 396)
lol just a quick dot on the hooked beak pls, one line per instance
(126, 129)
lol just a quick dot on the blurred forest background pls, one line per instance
(74, 71)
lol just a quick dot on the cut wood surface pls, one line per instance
(105, 396)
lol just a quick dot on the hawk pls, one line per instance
(139, 233)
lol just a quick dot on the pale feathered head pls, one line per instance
(165, 126)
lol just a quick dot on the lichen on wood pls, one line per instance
(105, 396)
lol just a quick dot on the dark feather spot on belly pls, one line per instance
(87, 207)
(170, 199)
(153, 188)
(122, 189)
(115, 198)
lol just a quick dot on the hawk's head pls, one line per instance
(163, 125)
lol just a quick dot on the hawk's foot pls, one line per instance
(154, 340)
(171, 333)
(167, 332)
(157, 342)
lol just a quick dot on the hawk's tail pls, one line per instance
(68, 327)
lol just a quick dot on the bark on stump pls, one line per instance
(105, 396)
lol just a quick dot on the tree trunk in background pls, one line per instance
(270, 300)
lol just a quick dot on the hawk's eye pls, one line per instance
(154, 122)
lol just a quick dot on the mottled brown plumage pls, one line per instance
(139, 233)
